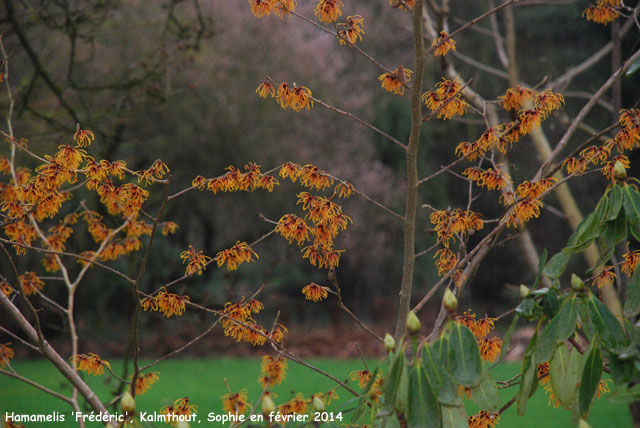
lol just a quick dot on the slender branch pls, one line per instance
(37, 385)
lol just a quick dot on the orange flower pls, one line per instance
(6, 288)
(180, 407)
(315, 292)
(396, 80)
(197, 261)
(630, 261)
(606, 277)
(260, 7)
(516, 98)
(284, 96)
(282, 7)
(30, 283)
(490, 348)
(144, 382)
(6, 354)
(297, 405)
(524, 211)
(484, 419)
(445, 47)
(575, 166)
(328, 10)
(607, 170)
(169, 304)
(603, 387)
(236, 402)
(547, 101)
(446, 260)
(446, 99)
(351, 31)
(273, 371)
(90, 363)
(291, 171)
(601, 14)
(241, 252)
(83, 137)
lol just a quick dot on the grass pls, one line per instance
(204, 383)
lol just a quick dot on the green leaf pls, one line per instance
(557, 265)
(362, 403)
(631, 205)
(633, 68)
(507, 337)
(616, 198)
(529, 377)
(606, 325)
(564, 373)
(541, 263)
(440, 350)
(466, 364)
(525, 308)
(614, 231)
(454, 417)
(550, 304)
(394, 378)
(632, 298)
(438, 377)
(559, 329)
(424, 409)
(588, 229)
(485, 395)
(590, 380)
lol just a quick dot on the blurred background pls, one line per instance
(176, 80)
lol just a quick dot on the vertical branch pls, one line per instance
(412, 174)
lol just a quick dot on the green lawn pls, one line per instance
(203, 382)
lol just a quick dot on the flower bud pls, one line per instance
(268, 405)
(318, 404)
(576, 283)
(389, 343)
(584, 424)
(413, 323)
(450, 301)
(127, 402)
(619, 172)
(183, 424)
(524, 291)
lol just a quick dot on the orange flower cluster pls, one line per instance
(492, 179)
(144, 382)
(328, 11)
(524, 211)
(446, 99)
(5, 287)
(293, 228)
(241, 252)
(262, 8)
(402, 3)
(30, 283)
(155, 172)
(236, 402)
(536, 189)
(484, 419)
(328, 221)
(56, 240)
(297, 98)
(180, 407)
(605, 278)
(396, 80)
(362, 376)
(83, 137)
(273, 371)
(603, 12)
(443, 47)
(234, 180)
(447, 260)
(630, 261)
(237, 323)
(90, 363)
(490, 348)
(169, 227)
(297, 405)
(312, 177)
(450, 222)
(196, 261)
(351, 31)
(168, 304)
(6, 354)
(517, 98)
(315, 292)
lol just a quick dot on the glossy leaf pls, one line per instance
(606, 325)
(393, 381)
(424, 409)
(485, 395)
(632, 297)
(614, 231)
(559, 329)
(466, 364)
(454, 417)
(615, 199)
(631, 205)
(564, 374)
(438, 377)
(557, 265)
(590, 380)
(550, 304)
(541, 264)
(506, 339)
(529, 378)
